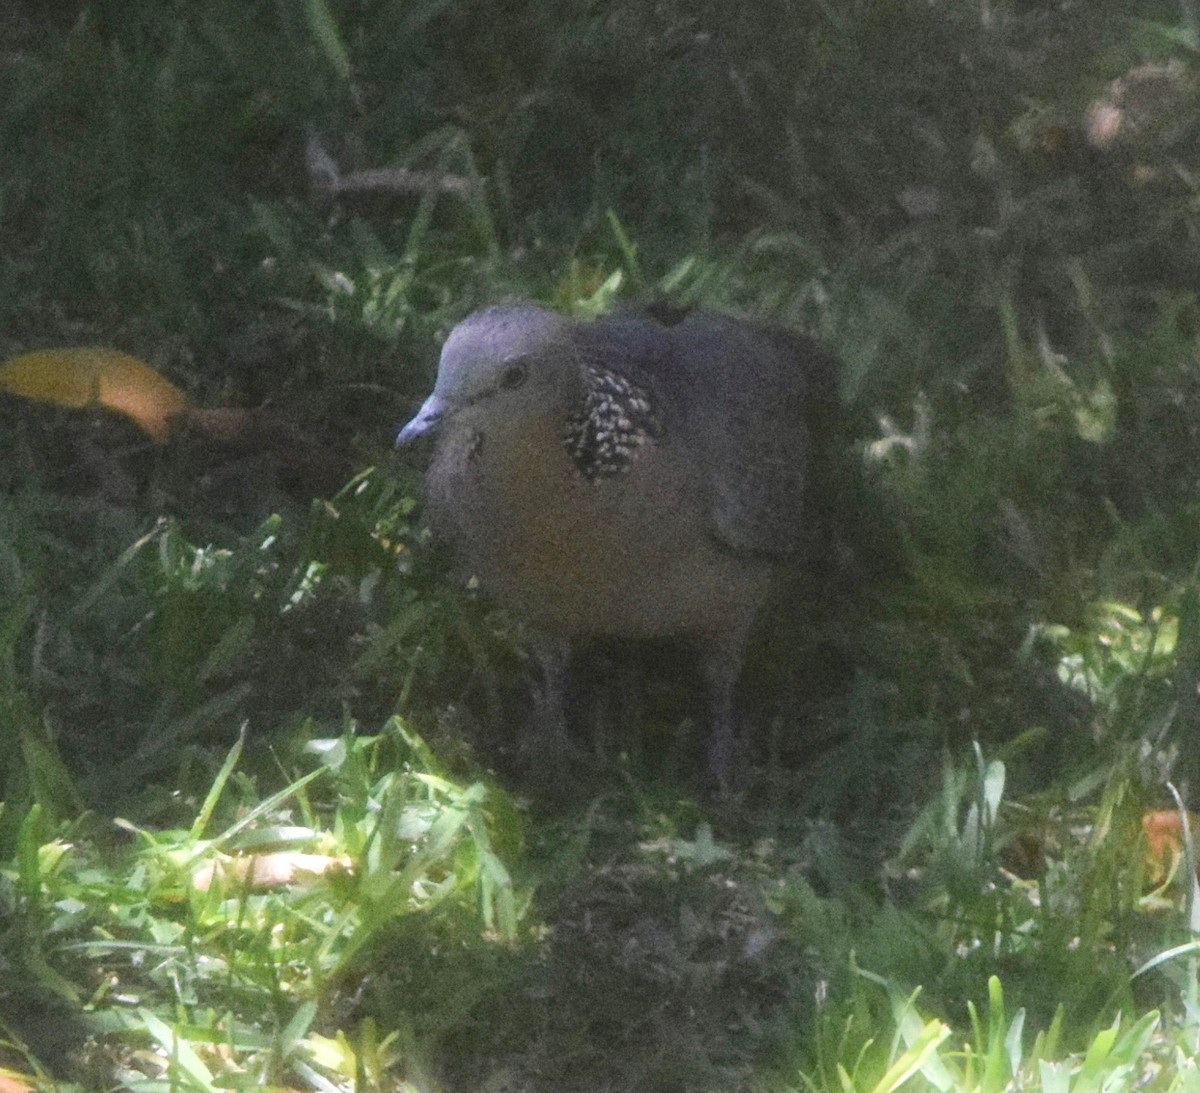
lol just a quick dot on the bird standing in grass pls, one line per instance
(626, 478)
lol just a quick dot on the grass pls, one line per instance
(210, 952)
(389, 926)
(262, 824)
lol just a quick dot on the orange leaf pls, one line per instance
(85, 378)
(1164, 831)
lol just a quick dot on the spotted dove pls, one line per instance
(627, 477)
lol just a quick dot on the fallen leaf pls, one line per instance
(1163, 832)
(86, 377)
(275, 870)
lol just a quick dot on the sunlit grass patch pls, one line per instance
(231, 951)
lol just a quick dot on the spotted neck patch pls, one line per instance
(617, 419)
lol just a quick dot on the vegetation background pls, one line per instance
(261, 825)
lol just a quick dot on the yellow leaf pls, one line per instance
(88, 377)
